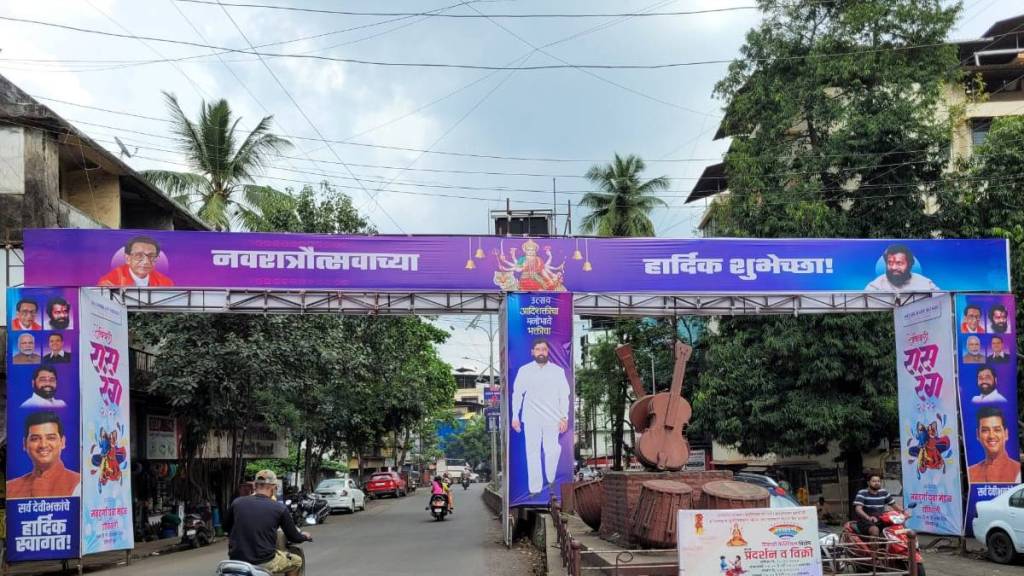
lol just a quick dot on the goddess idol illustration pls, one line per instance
(528, 272)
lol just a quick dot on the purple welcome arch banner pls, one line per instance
(74, 257)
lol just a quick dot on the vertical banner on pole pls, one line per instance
(107, 483)
(503, 360)
(929, 428)
(43, 480)
(987, 352)
(541, 389)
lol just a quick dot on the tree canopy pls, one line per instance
(623, 203)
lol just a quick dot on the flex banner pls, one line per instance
(43, 423)
(106, 478)
(162, 259)
(987, 358)
(929, 430)
(749, 542)
(539, 362)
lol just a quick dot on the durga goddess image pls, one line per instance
(528, 272)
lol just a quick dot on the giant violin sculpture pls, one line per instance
(662, 418)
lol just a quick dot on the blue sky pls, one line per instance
(562, 114)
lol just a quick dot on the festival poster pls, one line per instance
(106, 479)
(929, 430)
(540, 396)
(43, 465)
(987, 362)
(749, 542)
(160, 259)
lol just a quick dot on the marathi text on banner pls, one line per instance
(929, 435)
(540, 375)
(43, 465)
(107, 489)
(749, 542)
(987, 358)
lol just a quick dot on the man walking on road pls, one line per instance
(541, 392)
(252, 523)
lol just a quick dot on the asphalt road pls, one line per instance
(393, 537)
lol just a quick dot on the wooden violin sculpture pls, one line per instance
(640, 410)
(661, 417)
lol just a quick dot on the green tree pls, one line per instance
(985, 199)
(221, 187)
(623, 203)
(838, 131)
(472, 444)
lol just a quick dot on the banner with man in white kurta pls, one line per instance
(106, 477)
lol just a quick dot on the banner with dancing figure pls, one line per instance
(929, 434)
(107, 482)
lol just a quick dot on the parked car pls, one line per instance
(383, 483)
(1000, 525)
(779, 498)
(342, 494)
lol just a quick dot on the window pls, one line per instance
(1017, 500)
(979, 130)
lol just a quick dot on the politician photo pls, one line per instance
(540, 411)
(992, 434)
(44, 442)
(141, 254)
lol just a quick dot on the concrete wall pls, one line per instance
(96, 193)
(36, 202)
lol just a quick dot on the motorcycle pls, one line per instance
(465, 483)
(439, 506)
(897, 544)
(308, 509)
(195, 532)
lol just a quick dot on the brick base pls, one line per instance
(622, 492)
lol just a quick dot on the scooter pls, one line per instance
(897, 544)
(239, 568)
(195, 532)
(465, 483)
(439, 507)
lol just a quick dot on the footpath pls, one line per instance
(102, 561)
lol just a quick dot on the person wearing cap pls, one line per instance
(252, 522)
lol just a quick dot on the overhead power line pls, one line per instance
(458, 66)
(471, 16)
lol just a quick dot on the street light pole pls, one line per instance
(490, 372)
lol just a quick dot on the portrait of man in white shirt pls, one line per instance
(540, 411)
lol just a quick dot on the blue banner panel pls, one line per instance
(43, 425)
(540, 393)
(987, 357)
(160, 259)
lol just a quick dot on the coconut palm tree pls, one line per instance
(623, 204)
(221, 187)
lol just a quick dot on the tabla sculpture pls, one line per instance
(659, 418)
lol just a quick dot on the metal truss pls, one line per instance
(432, 303)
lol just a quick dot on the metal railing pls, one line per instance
(840, 555)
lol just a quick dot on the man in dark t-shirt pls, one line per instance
(870, 503)
(252, 523)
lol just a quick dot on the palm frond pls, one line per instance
(254, 152)
(178, 184)
(189, 140)
(215, 211)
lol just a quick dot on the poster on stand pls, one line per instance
(987, 357)
(540, 396)
(43, 455)
(107, 481)
(929, 430)
(749, 542)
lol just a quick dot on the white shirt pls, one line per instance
(990, 398)
(37, 401)
(138, 281)
(917, 283)
(542, 392)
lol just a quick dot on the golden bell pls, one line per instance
(576, 255)
(479, 253)
(587, 267)
(470, 265)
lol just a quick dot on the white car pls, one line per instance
(342, 494)
(1000, 525)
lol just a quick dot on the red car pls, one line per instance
(386, 483)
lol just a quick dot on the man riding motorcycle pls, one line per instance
(870, 503)
(252, 522)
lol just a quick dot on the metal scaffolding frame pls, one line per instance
(278, 301)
